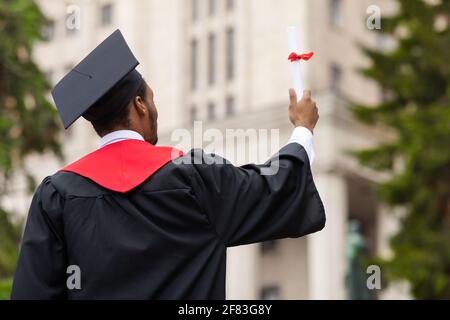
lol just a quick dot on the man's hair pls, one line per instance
(106, 125)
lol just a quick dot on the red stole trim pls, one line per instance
(124, 165)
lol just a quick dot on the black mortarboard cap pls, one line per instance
(102, 70)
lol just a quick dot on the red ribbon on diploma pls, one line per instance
(296, 57)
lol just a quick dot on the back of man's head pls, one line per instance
(111, 112)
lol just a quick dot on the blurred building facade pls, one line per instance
(224, 63)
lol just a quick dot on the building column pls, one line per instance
(326, 249)
(388, 225)
(242, 273)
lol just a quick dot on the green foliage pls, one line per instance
(416, 79)
(28, 122)
(5, 289)
(9, 237)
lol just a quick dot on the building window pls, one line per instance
(212, 7)
(270, 293)
(336, 78)
(71, 28)
(73, 20)
(49, 75)
(211, 111)
(230, 54)
(106, 12)
(194, 114)
(269, 246)
(195, 7)
(385, 94)
(385, 43)
(336, 13)
(230, 106)
(194, 64)
(230, 5)
(48, 31)
(211, 59)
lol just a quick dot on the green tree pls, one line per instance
(415, 77)
(28, 122)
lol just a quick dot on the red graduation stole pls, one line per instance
(124, 165)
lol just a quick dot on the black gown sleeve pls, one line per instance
(41, 267)
(246, 207)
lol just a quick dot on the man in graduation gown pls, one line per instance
(140, 221)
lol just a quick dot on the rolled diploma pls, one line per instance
(295, 66)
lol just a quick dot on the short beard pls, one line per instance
(154, 126)
(153, 140)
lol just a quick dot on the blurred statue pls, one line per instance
(356, 251)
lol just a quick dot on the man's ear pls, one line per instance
(140, 106)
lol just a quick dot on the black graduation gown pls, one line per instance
(164, 237)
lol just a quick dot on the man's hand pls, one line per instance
(304, 113)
